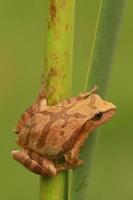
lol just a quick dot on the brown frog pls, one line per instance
(52, 136)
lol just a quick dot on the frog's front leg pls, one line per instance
(67, 165)
(72, 157)
(35, 162)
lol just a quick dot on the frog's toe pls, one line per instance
(49, 169)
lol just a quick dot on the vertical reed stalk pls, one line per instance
(58, 77)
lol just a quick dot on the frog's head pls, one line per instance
(99, 106)
(99, 111)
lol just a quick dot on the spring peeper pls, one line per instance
(52, 136)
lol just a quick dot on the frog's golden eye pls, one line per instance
(98, 115)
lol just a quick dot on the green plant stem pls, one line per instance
(58, 77)
(108, 22)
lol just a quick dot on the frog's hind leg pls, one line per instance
(87, 94)
(71, 100)
(35, 162)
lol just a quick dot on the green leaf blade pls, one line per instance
(109, 19)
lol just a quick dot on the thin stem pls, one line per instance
(59, 52)
(58, 77)
(108, 23)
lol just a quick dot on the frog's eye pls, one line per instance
(98, 116)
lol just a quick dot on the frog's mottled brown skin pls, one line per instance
(48, 133)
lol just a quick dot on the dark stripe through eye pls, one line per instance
(98, 116)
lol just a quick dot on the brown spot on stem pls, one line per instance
(53, 11)
(52, 72)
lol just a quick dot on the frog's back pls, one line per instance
(51, 131)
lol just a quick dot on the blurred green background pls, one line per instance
(22, 44)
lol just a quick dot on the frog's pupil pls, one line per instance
(98, 116)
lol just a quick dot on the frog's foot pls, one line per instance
(69, 164)
(83, 95)
(66, 165)
(73, 160)
(87, 94)
(35, 162)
